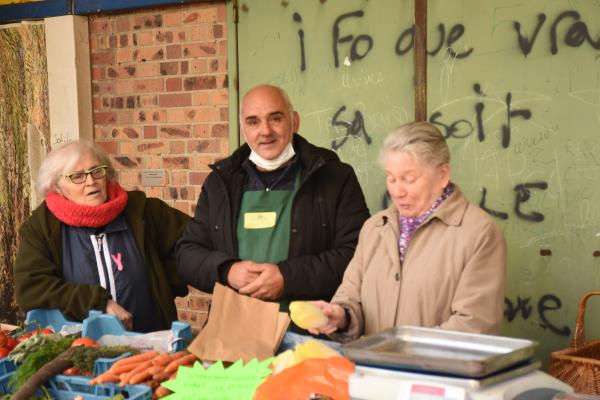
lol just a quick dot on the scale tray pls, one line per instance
(439, 351)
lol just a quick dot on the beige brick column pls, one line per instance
(69, 83)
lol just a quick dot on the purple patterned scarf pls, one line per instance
(409, 225)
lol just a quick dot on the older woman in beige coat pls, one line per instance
(431, 259)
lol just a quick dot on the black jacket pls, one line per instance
(328, 211)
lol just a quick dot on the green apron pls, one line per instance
(263, 229)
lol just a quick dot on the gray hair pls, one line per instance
(421, 139)
(279, 90)
(62, 159)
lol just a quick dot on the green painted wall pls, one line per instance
(534, 163)
(351, 106)
(549, 163)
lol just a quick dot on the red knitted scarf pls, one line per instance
(88, 216)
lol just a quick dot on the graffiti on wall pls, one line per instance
(523, 308)
(447, 38)
(510, 123)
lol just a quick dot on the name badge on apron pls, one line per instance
(260, 220)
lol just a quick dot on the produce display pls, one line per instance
(33, 357)
(42, 355)
(149, 368)
(40, 364)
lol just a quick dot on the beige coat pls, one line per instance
(453, 273)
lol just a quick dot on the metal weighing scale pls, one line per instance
(409, 363)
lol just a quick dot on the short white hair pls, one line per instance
(422, 140)
(62, 159)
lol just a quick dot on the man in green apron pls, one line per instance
(279, 219)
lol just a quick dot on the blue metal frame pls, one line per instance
(34, 10)
(83, 7)
(52, 8)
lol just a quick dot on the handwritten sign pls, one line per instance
(238, 382)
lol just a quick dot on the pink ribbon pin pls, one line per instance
(117, 261)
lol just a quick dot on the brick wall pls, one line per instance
(160, 101)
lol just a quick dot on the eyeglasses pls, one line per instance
(80, 177)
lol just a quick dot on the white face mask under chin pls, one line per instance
(271, 165)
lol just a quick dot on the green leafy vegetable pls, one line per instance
(85, 357)
(40, 352)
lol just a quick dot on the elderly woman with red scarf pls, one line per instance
(93, 245)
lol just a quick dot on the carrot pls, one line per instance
(185, 360)
(98, 378)
(110, 379)
(160, 362)
(106, 377)
(179, 354)
(123, 368)
(161, 376)
(156, 369)
(140, 377)
(141, 367)
(162, 359)
(149, 355)
(161, 392)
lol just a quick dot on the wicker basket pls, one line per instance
(579, 365)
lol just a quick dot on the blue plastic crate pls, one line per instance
(4, 387)
(103, 364)
(63, 387)
(6, 366)
(66, 385)
(7, 369)
(47, 317)
(98, 324)
(53, 318)
(182, 331)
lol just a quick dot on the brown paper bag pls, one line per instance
(239, 327)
